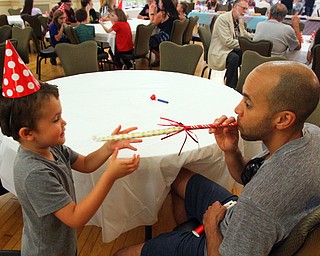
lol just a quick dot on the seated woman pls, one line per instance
(105, 10)
(92, 15)
(313, 43)
(181, 9)
(56, 30)
(164, 21)
(144, 14)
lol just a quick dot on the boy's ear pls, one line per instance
(25, 134)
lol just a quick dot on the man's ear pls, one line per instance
(284, 119)
(25, 134)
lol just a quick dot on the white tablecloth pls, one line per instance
(15, 20)
(103, 36)
(133, 12)
(300, 55)
(94, 104)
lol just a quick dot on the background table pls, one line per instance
(103, 36)
(133, 12)
(94, 104)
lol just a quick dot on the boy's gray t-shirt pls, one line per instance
(43, 187)
(284, 190)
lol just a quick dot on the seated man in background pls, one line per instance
(281, 185)
(67, 9)
(224, 51)
(282, 36)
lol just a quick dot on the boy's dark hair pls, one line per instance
(184, 6)
(25, 111)
(81, 15)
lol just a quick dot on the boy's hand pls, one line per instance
(120, 167)
(123, 143)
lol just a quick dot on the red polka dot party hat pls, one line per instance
(18, 80)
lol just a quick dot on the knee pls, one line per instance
(180, 183)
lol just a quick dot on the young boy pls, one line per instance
(84, 32)
(42, 169)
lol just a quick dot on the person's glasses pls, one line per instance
(62, 18)
(243, 8)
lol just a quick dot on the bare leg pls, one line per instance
(134, 250)
(157, 55)
(178, 195)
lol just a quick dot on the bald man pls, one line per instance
(281, 185)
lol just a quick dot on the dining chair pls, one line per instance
(71, 35)
(302, 240)
(141, 44)
(5, 33)
(3, 20)
(187, 35)
(263, 47)
(316, 60)
(178, 30)
(196, 36)
(78, 58)
(179, 58)
(34, 22)
(314, 118)
(205, 36)
(262, 10)
(42, 54)
(2, 50)
(44, 24)
(23, 36)
(12, 11)
(250, 60)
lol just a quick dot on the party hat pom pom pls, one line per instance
(18, 81)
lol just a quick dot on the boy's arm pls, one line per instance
(77, 215)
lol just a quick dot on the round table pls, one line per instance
(95, 104)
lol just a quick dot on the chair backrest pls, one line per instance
(23, 36)
(12, 11)
(5, 33)
(250, 60)
(3, 20)
(303, 239)
(316, 60)
(179, 58)
(263, 47)
(141, 42)
(44, 23)
(190, 7)
(2, 49)
(72, 57)
(71, 35)
(187, 36)
(213, 21)
(262, 10)
(34, 22)
(177, 31)
(314, 118)
(205, 37)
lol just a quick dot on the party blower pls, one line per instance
(199, 230)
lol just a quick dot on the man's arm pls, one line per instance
(295, 24)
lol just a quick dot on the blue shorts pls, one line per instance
(200, 194)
